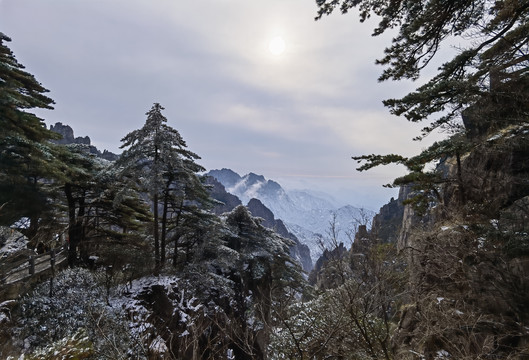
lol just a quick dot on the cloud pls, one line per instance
(207, 62)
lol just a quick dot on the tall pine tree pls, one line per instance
(26, 156)
(157, 159)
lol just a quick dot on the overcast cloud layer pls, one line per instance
(296, 118)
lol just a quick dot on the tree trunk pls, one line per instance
(33, 220)
(83, 251)
(155, 213)
(178, 215)
(75, 224)
(155, 233)
(460, 182)
(72, 233)
(164, 224)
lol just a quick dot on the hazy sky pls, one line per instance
(296, 117)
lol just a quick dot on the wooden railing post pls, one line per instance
(52, 263)
(52, 260)
(31, 265)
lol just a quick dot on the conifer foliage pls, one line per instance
(25, 154)
(237, 276)
(480, 91)
(459, 256)
(99, 207)
(157, 159)
(494, 50)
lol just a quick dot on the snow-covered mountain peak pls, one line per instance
(308, 214)
(226, 177)
(253, 178)
(254, 186)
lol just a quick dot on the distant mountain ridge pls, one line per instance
(306, 214)
(248, 186)
(68, 138)
(228, 178)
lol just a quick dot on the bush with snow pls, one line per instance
(78, 304)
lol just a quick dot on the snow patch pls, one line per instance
(158, 346)
(11, 241)
(442, 354)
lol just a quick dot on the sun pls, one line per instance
(276, 45)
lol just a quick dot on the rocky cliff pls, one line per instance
(468, 257)
(226, 177)
(228, 202)
(67, 135)
(300, 251)
(387, 222)
(68, 138)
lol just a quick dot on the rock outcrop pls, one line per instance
(227, 201)
(299, 251)
(322, 276)
(68, 138)
(227, 177)
(388, 221)
(67, 135)
(468, 257)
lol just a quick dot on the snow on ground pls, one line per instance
(11, 241)
(130, 298)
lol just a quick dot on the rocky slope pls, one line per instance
(228, 202)
(387, 222)
(468, 257)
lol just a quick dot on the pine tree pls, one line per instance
(26, 157)
(100, 208)
(189, 210)
(486, 83)
(483, 165)
(157, 159)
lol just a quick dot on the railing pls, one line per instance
(34, 265)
